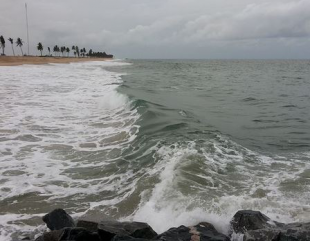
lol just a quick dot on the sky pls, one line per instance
(164, 29)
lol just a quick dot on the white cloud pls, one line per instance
(256, 21)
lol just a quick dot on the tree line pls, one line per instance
(19, 43)
(78, 52)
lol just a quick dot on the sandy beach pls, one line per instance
(19, 60)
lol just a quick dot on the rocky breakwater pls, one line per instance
(257, 226)
(250, 225)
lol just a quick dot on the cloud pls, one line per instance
(256, 21)
(164, 27)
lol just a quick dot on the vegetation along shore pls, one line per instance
(55, 55)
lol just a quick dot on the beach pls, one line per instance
(19, 60)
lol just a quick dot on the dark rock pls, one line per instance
(50, 236)
(78, 234)
(58, 219)
(72, 234)
(257, 227)
(125, 238)
(181, 233)
(108, 229)
(88, 225)
(200, 232)
(249, 220)
(91, 221)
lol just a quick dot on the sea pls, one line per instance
(167, 142)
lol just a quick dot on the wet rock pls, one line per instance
(256, 226)
(89, 225)
(25, 238)
(58, 219)
(129, 238)
(108, 229)
(249, 220)
(201, 232)
(72, 234)
(78, 234)
(50, 236)
(90, 222)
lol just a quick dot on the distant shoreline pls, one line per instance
(20, 60)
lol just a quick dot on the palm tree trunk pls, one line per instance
(13, 50)
(22, 51)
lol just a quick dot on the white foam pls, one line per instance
(49, 108)
(169, 204)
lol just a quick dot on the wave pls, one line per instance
(61, 128)
(210, 180)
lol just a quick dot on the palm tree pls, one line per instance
(19, 42)
(49, 51)
(63, 49)
(84, 52)
(77, 51)
(40, 47)
(73, 48)
(68, 51)
(11, 41)
(2, 42)
(56, 49)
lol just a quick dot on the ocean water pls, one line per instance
(167, 142)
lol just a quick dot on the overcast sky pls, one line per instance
(164, 28)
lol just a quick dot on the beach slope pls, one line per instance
(19, 60)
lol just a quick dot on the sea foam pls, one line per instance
(54, 119)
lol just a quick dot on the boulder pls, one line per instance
(72, 234)
(91, 221)
(50, 236)
(128, 238)
(201, 232)
(249, 220)
(256, 226)
(108, 229)
(89, 225)
(78, 234)
(25, 238)
(58, 219)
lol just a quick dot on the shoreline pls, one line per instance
(36, 60)
(246, 225)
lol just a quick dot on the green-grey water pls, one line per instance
(168, 142)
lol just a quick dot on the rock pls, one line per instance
(126, 238)
(26, 238)
(72, 234)
(50, 236)
(78, 234)
(58, 219)
(88, 225)
(181, 233)
(249, 220)
(201, 232)
(91, 221)
(108, 229)
(257, 227)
